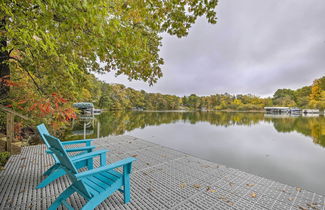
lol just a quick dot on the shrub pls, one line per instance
(4, 157)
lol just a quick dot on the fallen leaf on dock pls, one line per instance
(312, 205)
(147, 164)
(253, 195)
(205, 166)
(144, 173)
(183, 185)
(230, 203)
(302, 208)
(222, 198)
(290, 199)
(298, 189)
(149, 190)
(231, 184)
(197, 186)
(209, 189)
(227, 201)
(134, 155)
(250, 185)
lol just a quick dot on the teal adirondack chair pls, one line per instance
(94, 185)
(56, 170)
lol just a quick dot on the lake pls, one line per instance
(288, 149)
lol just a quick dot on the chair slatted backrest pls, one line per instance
(59, 152)
(42, 130)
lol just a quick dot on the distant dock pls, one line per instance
(162, 178)
(291, 110)
(283, 110)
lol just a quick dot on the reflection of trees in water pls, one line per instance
(117, 123)
(313, 127)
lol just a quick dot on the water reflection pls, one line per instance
(117, 123)
(289, 149)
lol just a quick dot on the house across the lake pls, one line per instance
(87, 108)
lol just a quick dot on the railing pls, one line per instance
(10, 131)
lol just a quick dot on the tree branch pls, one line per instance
(39, 89)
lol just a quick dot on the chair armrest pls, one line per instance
(73, 149)
(89, 155)
(80, 149)
(83, 141)
(112, 166)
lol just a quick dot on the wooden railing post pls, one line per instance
(10, 126)
(10, 131)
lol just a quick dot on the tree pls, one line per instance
(302, 96)
(284, 97)
(54, 39)
(317, 96)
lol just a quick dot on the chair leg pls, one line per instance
(95, 201)
(69, 191)
(127, 194)
(53, 176)
(52, 168)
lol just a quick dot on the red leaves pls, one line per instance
(7, 82)
(33, 107)
(55, 107)
(22, 102)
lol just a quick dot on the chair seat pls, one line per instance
(100, 182)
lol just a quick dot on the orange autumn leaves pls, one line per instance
(52, 108)
(53, 105)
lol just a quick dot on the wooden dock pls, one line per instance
(162, 179)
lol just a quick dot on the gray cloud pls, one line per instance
(256, 47)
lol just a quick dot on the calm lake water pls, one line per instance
(287, 149)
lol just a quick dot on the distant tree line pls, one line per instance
(118, 97)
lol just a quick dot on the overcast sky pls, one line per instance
(256, 47)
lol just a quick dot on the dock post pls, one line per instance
(85, 130)
(10, 131)
(98, 129)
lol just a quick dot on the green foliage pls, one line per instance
(317, 95)
(58, 42)
(284, 97)
(53, 46)
(4, 157)
(306, 97)
(117, 96)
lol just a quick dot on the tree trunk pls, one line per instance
(4, 66)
